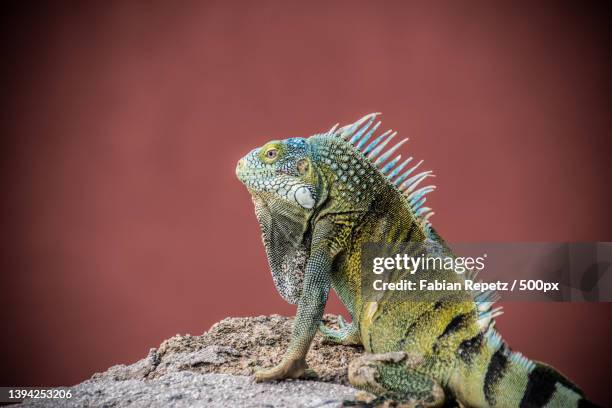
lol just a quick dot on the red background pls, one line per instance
(122, 123)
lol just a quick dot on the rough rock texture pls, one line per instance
(189, 389)
(214, 370)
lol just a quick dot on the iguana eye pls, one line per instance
(271, 153)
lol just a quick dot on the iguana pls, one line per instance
(318, 200)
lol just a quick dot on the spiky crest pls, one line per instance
(359, 133)
(496, 343)
(485, 302)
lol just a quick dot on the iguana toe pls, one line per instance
(286, 369)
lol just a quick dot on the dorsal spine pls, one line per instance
(359, 133)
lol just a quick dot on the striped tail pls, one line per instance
(492, 375)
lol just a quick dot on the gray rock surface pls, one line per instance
(189, 389)
(214, 370)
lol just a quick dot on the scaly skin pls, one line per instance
(318, 201)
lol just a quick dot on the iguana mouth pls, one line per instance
(250, 176)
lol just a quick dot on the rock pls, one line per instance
(190, 389)
(214, 370)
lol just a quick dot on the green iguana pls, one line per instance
(318, 200)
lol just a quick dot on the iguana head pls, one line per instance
(281, 170)
(285, 188)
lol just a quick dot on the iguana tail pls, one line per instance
(492, 375)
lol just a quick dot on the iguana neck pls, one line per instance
(356, 188)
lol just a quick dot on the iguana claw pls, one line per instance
(286, 369)
(341, 322)
(348, 333)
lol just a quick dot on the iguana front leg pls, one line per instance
(309, 313)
